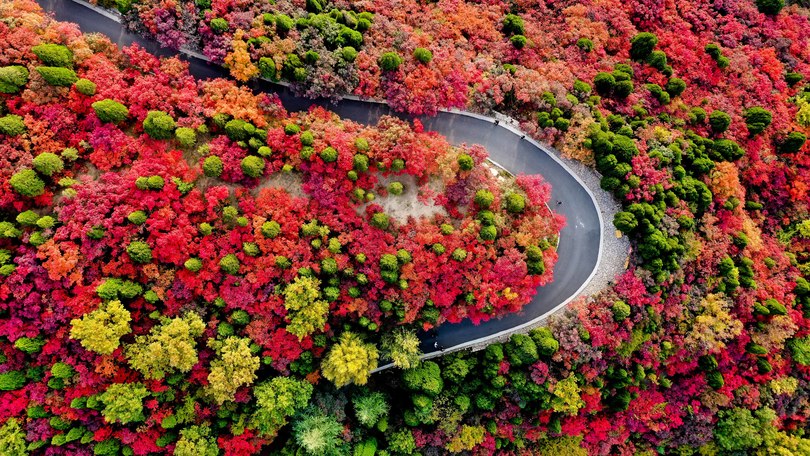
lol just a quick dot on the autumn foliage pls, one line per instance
(167, 244)
(287, 234)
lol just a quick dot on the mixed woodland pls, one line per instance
(188, 268)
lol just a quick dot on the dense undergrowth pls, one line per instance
(695, 113)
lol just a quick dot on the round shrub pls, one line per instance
(54, 55)
(726, 149)
(271, 229)
(488, 233)
(252, 166)
(757, 119)
(486, 218)
(657, 60)
(62, 370)
(395, 188)
(139, 252)
(518, 41)
(27, 218)
(291, 129)
(155, 182)
(229, 213)
(484, 198)
(534, 253)
(390, 61)
(159, 125)
(361, 144)
(137, 217)
(27, 183)
(12, 125)
(48, 164)
(438, 248)
(58, 76)
(350, 37)
(85, 87)
(13, 78)
(582, 87)
(284, 24)
(675, 87)
(604, 82)
(771, 7)
(621, 310)
(380, 220)
(459, 254)
(329, 155)
(110, 111)
(562, 124)
(229, 264)
(389, 262)
(658, 93)
(465, 162)
(306, 152)
(219, 25)
(193, 264)
(212, 166)
(311, 57)
(515, 203)
(403, 256)
(307, 138)
(96, 232)
(623, 72)
(585, 44)
(360, 162)
(513, 25)
(329, 266)
(793, 78)
(185, 136)
(397, 165)
(623, 89)
(348, 53)
(719, 121)
(364, 21)
(423, 55)
(267, 68)
(642, 45)
(792, 143)
(697, 115)
(713, 50)
(239, 130)
(251, 249)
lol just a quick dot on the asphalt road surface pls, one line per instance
(580, 239)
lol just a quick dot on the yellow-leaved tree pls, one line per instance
(234, 367)
(350, 361)
(566, 396)
(169, 347)
(402, 347)
(467, 439)
(100, 330)
(713, 326)
(306, 310)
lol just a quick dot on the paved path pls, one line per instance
(582, 242)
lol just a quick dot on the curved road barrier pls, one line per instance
(580, 244)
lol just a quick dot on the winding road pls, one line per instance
(581, 240)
